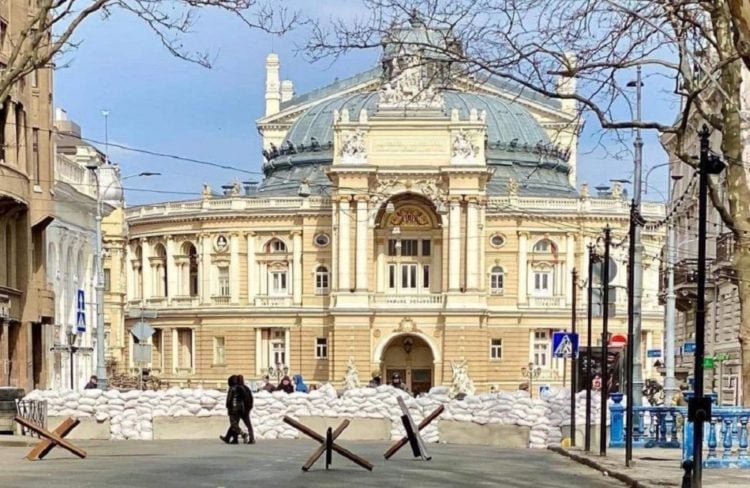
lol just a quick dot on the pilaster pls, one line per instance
(522, 267)
(297, 268)
(234, 267)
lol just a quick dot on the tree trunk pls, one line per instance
(738, 186)
(740, 10)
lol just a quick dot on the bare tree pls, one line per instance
(695, 46)
(49, 28)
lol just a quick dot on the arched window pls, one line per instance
(497, 280)
(161, 270)
(275, 246)
(192, 254)
(545, 246)
(321, 280)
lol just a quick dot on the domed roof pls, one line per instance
(517, 146)
(507, 121)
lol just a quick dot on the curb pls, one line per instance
(618, 475)
(17, 441)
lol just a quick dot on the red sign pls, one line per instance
(618, 340)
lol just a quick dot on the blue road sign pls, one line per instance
(653, 353)
(81, 312)
(688, 348)
(565, 345)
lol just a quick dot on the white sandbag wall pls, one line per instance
(131, 412)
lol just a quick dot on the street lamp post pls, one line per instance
(72, 349)
(637, 250)
(101, 369)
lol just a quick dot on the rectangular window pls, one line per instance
(107, 279)
(391, 276)
(496, 349)
(321, 348)
(36, 168)
(321, 281)
(278, 283)
(496, 282)
(542, 282)
(408, 276)
(426, 247)
(224, 281)
(409, 247)
(156, 349)
(219, 357)
(279, 354)
(185, 348)
(426, 277)
(34, 79)
(541, 348)
(392, 248)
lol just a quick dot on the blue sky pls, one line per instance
(163, 104)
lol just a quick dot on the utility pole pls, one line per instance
(699, 407)
(589, 316)
(605, 344)
(670, 383)
(635, 223)
(637, 395)
(573, 363)
(101, 369)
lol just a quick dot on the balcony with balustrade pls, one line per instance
(546, 302)
(271, 301)
(400, 300)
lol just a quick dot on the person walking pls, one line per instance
(248, 397)
(235, 408)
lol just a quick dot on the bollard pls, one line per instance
(688, 476)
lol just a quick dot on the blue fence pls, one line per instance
(725, 435)
(652, 426)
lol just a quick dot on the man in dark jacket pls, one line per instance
(250, 439)
(235, 409)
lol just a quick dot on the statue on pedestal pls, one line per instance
(461, 384)
(351, 378)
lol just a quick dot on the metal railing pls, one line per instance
(35, 411)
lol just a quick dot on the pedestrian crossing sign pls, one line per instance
(565, 345)
(81, 322)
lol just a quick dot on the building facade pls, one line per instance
(26, 209)
(409, 217)
(71, 252)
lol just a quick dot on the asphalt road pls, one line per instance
(276, 464)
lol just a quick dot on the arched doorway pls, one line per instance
(412, 357)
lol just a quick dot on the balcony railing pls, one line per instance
(271, 301)
(422, 300)
(725, 248)
(220, 299)
(546, 302)
(156, 301)
(185, 301)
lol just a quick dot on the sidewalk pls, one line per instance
(17, 441)
(652, 468)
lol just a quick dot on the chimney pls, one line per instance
(287, 90)
(273, 90)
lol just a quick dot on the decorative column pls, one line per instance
(454, 246)
(288, 348)
(362, 251)
(297, 267)
(380, 268)
(344, 282)
(130, 274)
(570, 263)
(205, 267)
(522, 267)
(234, 268)
(258, 350)
(472, 245)
(148, 280)
(171, 270)
(252, 269)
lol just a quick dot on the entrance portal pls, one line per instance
(411, 357)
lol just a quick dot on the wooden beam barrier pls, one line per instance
(405, 440)
(53, 439)
(322, 440)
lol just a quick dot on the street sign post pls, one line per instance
(81, 312)
(653, 353)
(688, 348)
(565, 345)
(708, 362)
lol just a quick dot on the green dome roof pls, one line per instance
(517, 145)
(507, 121)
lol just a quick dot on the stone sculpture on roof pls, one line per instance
(353, 150)
(464, 151)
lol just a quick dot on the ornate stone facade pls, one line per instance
(450, 237)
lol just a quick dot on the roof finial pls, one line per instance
(414, 19)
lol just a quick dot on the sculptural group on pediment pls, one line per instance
(353, 149)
